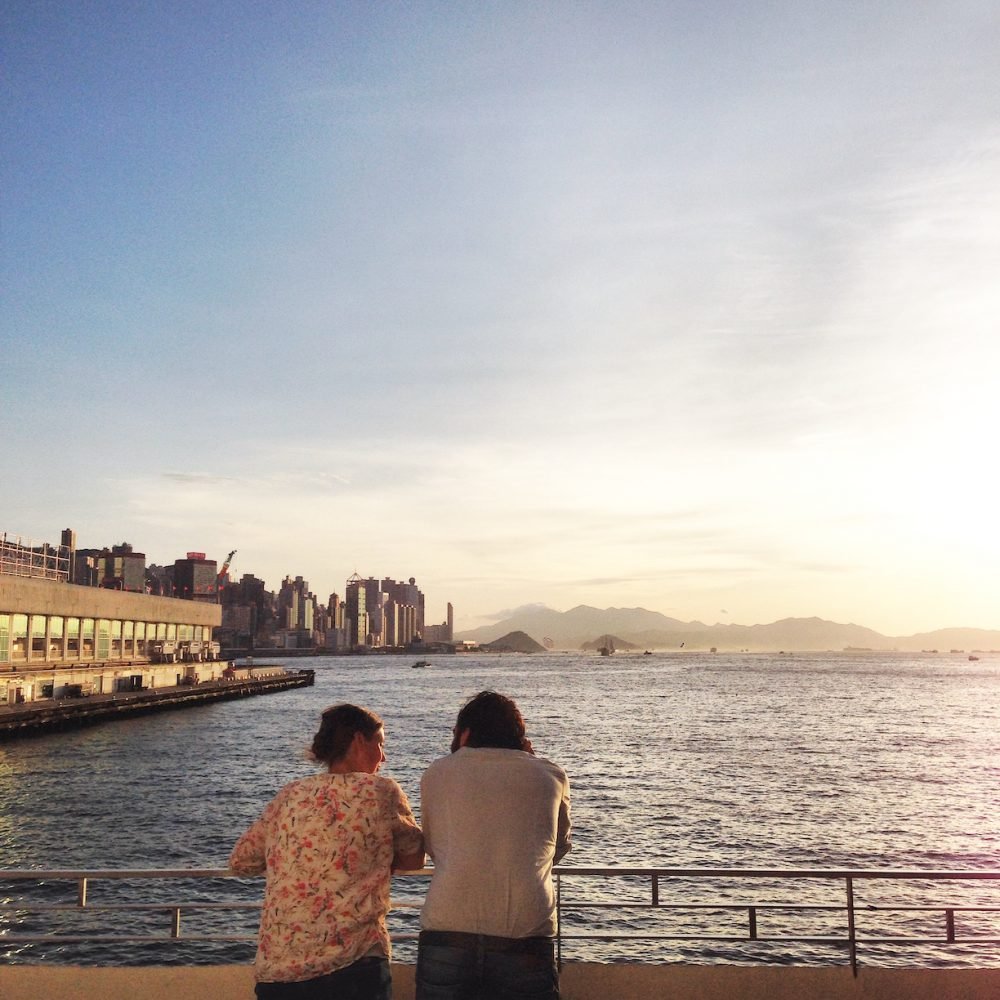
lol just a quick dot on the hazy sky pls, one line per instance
(691, 306)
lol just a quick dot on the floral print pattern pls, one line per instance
(326, 843)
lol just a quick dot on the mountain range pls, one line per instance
(584, 625)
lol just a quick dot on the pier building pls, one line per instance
(59, 639)
(63, 639)
(73, 654)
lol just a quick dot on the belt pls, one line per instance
(488, 942)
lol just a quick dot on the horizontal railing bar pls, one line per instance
(111, 907)
(147, 907)
(825, 873)
(837, 939)
(813, 939)
(566, 905)
(778, 907)
(148, 939)
(19, 874)
(563, 870)
(735, 907)
(121, 939)
(237, 938)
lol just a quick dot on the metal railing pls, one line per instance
(38, 560)
(725, 919)
(627, 904)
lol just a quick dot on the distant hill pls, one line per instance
(571, 629)
(615, 641)
(513, 642)
(585, 627)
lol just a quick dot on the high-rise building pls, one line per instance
(445, 632)
(382, 614)
(296, 614)
(248, 613)
(120, 568)
(195, 578)
(356, 612)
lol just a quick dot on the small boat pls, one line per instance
(971, 657)
(421, 663)
(648, 653)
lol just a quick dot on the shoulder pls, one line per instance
(552, 770)
(290, 796)
(551, 765)
(298, 786)
(387, 788)
(441, 764)
(384, 783)
(321, 783)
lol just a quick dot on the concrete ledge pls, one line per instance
(580, 981)
(587, 981)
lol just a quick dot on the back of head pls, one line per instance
(337, 730)
(493, 720)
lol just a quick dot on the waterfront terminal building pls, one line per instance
(62, 640)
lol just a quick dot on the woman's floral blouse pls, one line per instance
(326, 843)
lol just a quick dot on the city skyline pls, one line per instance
(688, 308)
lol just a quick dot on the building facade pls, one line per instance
(59, 639)
(381, 615)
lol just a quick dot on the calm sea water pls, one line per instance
(806, 760)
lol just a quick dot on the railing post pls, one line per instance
(851, 939)
(81, 892)
(752, 912)
(175, 922)
(949, 921)
(558, 921)
(656, 889)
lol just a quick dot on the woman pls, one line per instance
(328, 844)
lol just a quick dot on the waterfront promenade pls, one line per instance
(580, 981)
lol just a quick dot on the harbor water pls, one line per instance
(840, 760)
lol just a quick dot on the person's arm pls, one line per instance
(409, 862)
(248, 856)
(407, 840)
(425, 818)
(564, 838)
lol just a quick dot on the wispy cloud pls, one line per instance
(702, 316)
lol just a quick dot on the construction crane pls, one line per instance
(223, 571)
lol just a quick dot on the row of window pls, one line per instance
(48, 638)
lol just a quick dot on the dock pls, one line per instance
(52, 715)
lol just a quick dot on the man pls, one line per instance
(495, 819)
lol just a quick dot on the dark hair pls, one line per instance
(337, 730)
(493, 720)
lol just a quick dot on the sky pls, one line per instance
(690, 306)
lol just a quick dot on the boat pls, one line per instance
(421, 663)
(971, 657)
(608, 648)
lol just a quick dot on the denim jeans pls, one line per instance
(452, 966)
(365, 979)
